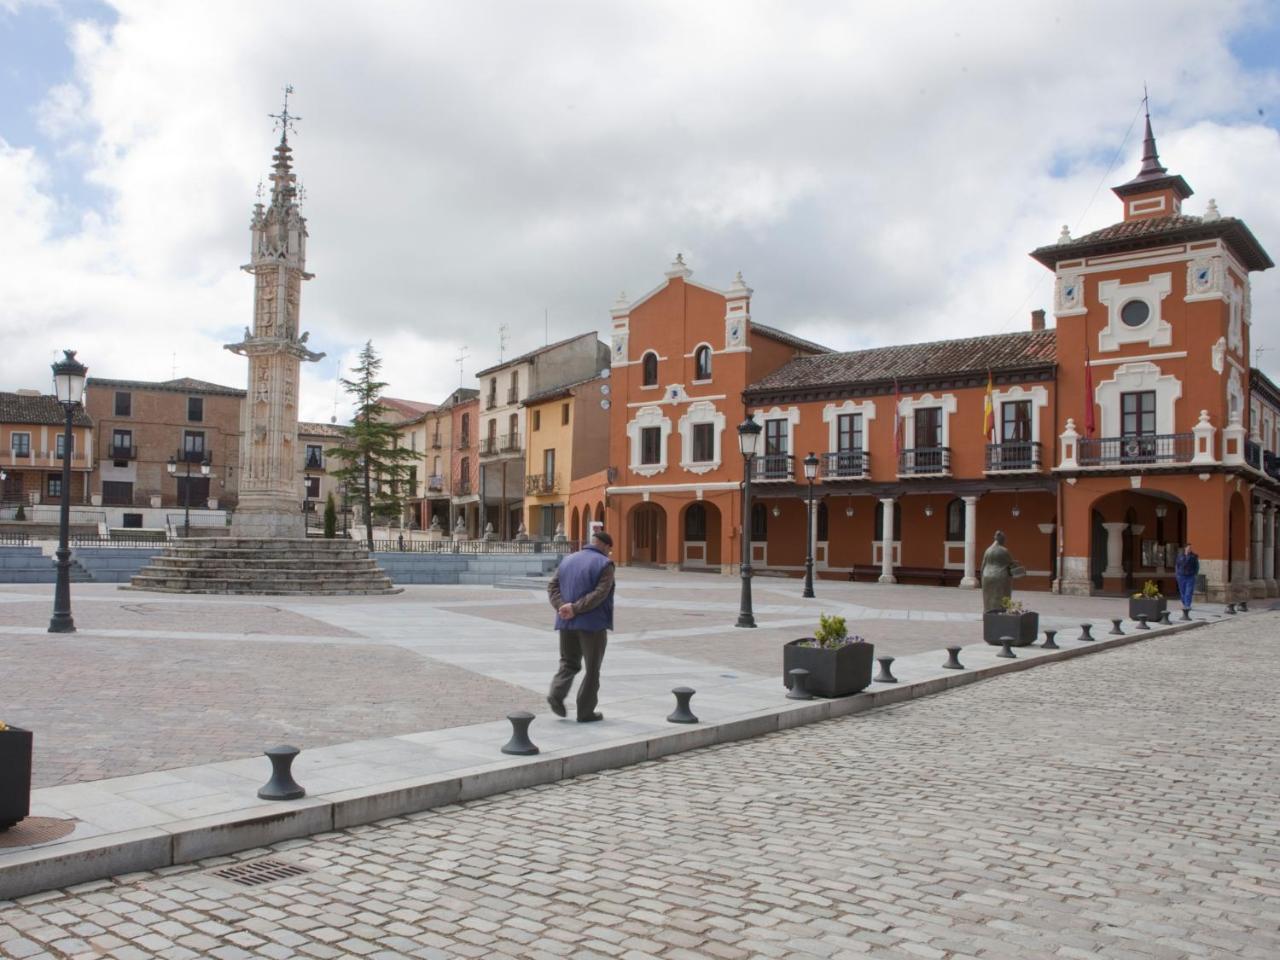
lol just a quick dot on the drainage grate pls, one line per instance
(258, 873)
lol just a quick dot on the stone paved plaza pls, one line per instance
(156, 682)
(1118, 806)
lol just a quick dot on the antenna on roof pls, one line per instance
(463, 353)
(333, 417)
(503, 333)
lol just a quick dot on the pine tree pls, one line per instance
(330, 517)
(376, 468)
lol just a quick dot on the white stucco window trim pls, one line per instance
(1114, 295)
(701, 411)
(1133, 377)
(648, 417)
(1039, 397)
(831, 414)
(790, 414)
(907, 407)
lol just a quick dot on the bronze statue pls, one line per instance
(997, 575)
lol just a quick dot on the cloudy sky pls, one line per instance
(877, 172)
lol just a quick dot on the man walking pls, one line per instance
(1185, 568)
(581, 592)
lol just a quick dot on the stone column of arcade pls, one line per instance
(1269, 550)
(1115, 550)
(970, 578)
(886, 541)
(1257, 586)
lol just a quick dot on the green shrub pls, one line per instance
(330, 518)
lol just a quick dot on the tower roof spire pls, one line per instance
(283, 192)
(1153, 177)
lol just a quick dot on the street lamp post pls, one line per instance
(810, 472)
(748, 443)
(68, 383)
(172, 467)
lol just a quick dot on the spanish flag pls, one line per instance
(988, 412)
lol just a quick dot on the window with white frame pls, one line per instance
(701, 432)
(649, 370)
(648, 450)
(702, 363)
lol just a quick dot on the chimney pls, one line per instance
(1037, 319)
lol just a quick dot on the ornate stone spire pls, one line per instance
(1154, 192)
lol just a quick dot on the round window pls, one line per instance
(1134, 313)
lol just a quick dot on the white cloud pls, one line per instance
(878, 176)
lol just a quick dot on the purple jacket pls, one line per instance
(580, 575)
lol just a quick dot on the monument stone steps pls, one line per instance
(255, 565)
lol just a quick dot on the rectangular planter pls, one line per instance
(15, 776)
(1022, 627)
(834, 672)
(1149, 607)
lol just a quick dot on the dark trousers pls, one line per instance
(1187, 589)
(577, 647)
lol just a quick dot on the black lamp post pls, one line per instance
(68, 384)
(748, 443)
(810, 472)
(172, 467)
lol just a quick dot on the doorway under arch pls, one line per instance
(1134, 536)
(574, 531)
(648, 529)
(700, 535)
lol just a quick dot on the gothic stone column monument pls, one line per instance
(270, 482)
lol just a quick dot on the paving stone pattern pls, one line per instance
(1114, 806)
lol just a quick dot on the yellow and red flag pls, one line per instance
(988, 411)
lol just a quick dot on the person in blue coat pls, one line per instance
(581, 591)
(1185, 569)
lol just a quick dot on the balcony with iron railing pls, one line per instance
(1147, 450)
(1271, 465)
(513, 395)
(122, 451)
(463, 487)
(42, 458)
(464, 442)
(541, 484)
(435, 442)
(314, 461)
(772, 467)
(435, 484)
(844, 465)
(196, 456)
(489, 446)
(491, 401)
(510, 442)
(924, 462)
(1013, 456)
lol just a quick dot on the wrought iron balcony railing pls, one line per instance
(773, 466)
(1149, 449)
(924, 462)
(1271, 464)
(196, 456)
(491, 401)
(464, 442)
(1012, 455)
(540, 484)
(435, 442)
(122, 452)
(513, 395)
(314, 462)
(489, 446)
(1253, 454)
(463, 487)
(845, 465)
(510, 442)
(435, 483)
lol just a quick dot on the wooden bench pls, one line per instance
(936, 575)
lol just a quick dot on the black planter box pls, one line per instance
(1149, 607)
(15, 776)
(1022, 627)
(834, 671)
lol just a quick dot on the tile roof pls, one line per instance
(407, 410)
(998, 352)
(789, 339)
(180, 385)
(41, 409)
(525, 357)
(562, 390)
(1133, 234)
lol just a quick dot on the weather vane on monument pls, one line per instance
(284, 119)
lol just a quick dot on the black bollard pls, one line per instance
(1243, 606)
(799, 685)
(1186, 614)
(281, 786)
(1115, 630)
(886, 673)
(1231, 608)
(1084, 631)
(520, 745)
(953, 659)
(1164, 618)
(1049, 643)
(1006, 650)
(1142, 622)
(682, 713)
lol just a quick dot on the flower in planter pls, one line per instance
(1150, 591)
(3, 726)
(831, 633)
(1011, 606)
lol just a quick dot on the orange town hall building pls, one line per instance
(1133, 426)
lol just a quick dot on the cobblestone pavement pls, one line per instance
(1115, 806)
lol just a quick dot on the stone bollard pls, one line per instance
(1186, 614)
(799, 685)
(1164, 618)
(520, 745)
(1142, 622)
(1115, 630)
(1084, 631)
(682, 713)
(1049, 642)
(1231, 608)
(886, 673)
(953, 659)
(1243, 606)
(1006, 650)
(281, 786)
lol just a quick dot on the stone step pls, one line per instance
(250, 584)
(218, 563)
(266, 592)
